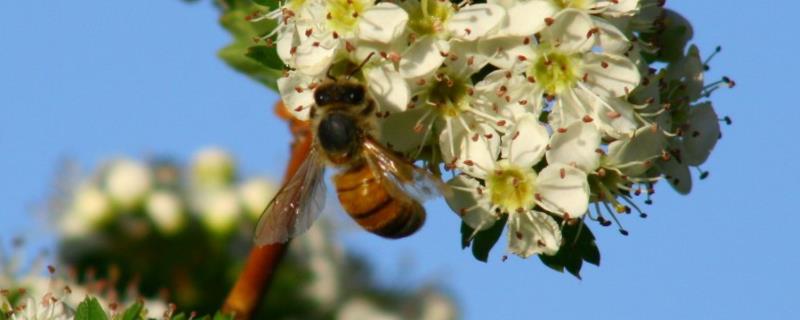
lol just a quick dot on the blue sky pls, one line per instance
(93, 79)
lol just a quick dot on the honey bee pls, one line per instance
(379, 190)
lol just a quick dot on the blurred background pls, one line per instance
(84, 85)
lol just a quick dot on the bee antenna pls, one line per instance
(361, 65)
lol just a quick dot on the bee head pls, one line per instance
(339, 92)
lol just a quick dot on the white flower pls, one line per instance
(255, 194)
(526, 18)
(511, 186)
(579, 82)
(464, 118)
(220, 210)
(166, 211)
(127, 182)
(213, 167)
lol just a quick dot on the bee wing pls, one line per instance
(401, 175)
(296, 206)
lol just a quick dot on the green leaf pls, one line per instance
(134, 312)
(263, 68)
(3, 315)
(485, 240)
(578, 246)
(180, 316)
(221, 316)
(90, 309)
(272, 4)
(266, 56)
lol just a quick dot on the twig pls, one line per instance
(258, 272)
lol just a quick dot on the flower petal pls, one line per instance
(611, 75)
(569, 31)
(633, 156)
(610, 38)
(400, 130)
(527, 18)
(577, 146)
(296, 95)
(677, 174)
(525, 143)
(467, 204)
(504, 52)
(702, 134)
(563, 190)
(423, 57)
(474, 152)
(388, 88)
(314, 57)
(475, 21)
(382, 23)
(533, 232)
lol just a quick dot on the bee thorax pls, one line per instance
(339, 136)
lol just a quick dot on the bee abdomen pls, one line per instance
(366, 200)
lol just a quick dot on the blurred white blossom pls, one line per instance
(256, 194)
(213, 167)
(128, 182)
(166, 211)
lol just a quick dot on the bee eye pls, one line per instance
(321, 97)
(355, 96)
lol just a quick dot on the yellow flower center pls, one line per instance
(343, 15)
(296, 5)
(555, 71)
(575, 4)
(450, 95)
(429, 16)
(511, 187)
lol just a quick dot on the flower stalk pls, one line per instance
(263, 262)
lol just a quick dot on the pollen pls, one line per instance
(512, 188)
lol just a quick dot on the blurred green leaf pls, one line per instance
(220, 316)
(90, 309)
(484, 241)
(134, 312)
(266, 56)
(271, 4)
(578, 246)
(180, 316)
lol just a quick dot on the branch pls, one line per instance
(258, 272)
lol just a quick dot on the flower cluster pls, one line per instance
(541, 109)
(155, 195)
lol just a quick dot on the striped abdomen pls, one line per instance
(365, 198)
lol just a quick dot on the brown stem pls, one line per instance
(258, 272)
